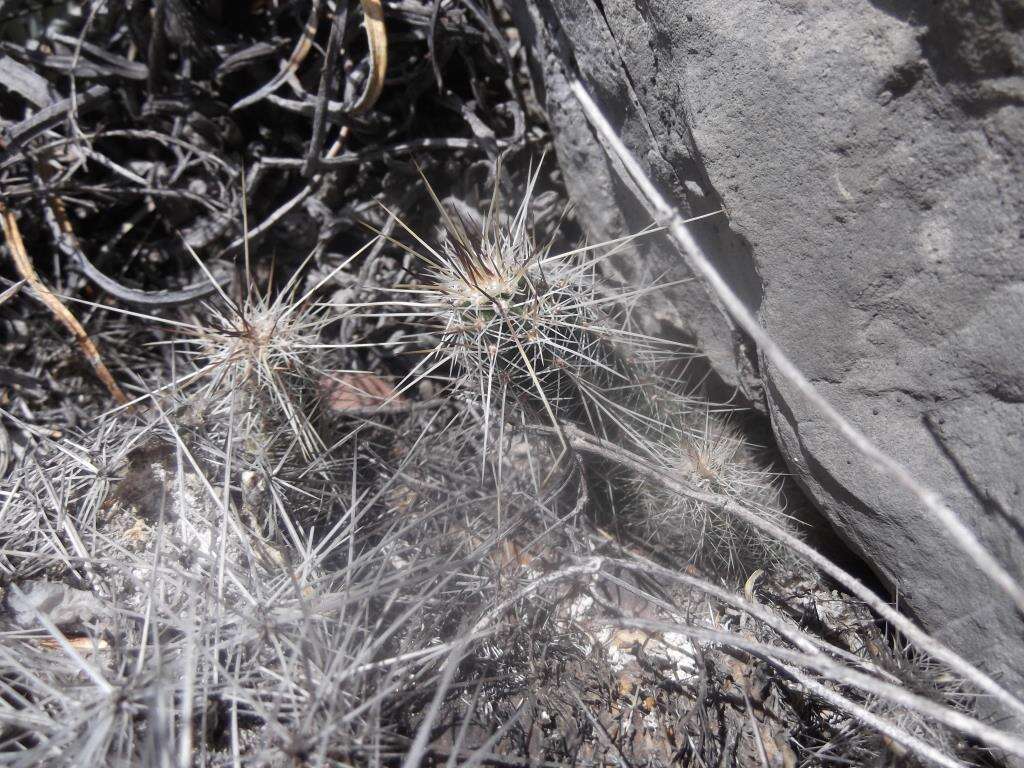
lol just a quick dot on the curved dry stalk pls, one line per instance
(377, 41)
(68, 242)
(27, 272)
(291, 66)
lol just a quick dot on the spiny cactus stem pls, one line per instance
(556, 424)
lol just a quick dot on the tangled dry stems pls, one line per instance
(214, 580)
(534, 542)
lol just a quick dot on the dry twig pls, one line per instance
(23, 264)
(700, 264)
(590, 444)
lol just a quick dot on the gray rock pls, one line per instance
(870, 159)
(62, 605)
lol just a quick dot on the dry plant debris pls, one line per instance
(403, 482)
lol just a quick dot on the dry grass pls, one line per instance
(427, 497)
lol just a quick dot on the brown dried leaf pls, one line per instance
(359, 392)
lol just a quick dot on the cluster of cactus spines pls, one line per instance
(193, 635)
(261, 357)
(713, 457)
(525, 327)
(242, 585)
(532, 331)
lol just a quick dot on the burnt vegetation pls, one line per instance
(326, 441)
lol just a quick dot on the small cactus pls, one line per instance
(710, 455)
(267, 352)
(534, 332)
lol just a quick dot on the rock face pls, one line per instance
(870, 160)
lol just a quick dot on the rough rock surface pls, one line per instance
(869, 157)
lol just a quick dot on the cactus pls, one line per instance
(527, 329)
(712, 456)
(533, 332)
